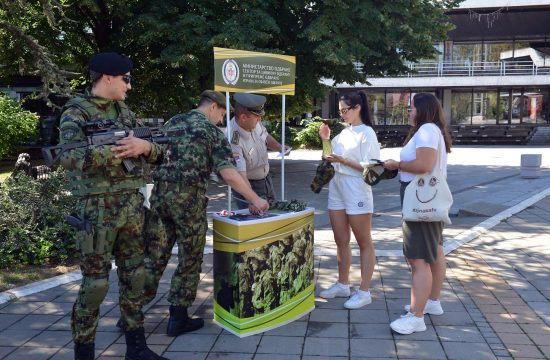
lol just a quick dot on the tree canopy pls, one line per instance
(171, 42)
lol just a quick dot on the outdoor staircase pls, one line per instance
(541, 136)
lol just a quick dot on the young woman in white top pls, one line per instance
(350, 198)
(422, 241)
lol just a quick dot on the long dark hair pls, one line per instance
(428, 110)
(355, 98)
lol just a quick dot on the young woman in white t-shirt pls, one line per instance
(350, 203)
(422, 241)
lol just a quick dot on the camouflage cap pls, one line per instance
(323, 174)
(375, 171)
(110, 63)
(216, 97)
(252, 102)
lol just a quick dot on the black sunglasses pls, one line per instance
(126, 78)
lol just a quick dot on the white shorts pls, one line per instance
(350, 193)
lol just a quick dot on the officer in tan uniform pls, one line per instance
(250, 141)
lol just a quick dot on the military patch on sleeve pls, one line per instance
(235, 138)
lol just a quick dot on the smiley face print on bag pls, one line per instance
(426, 190)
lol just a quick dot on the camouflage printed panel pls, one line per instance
(196, 149)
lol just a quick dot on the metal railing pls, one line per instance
(466, 68)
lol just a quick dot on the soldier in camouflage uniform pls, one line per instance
(197, 148)
(109, 200)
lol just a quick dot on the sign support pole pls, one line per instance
(228, 134)
(283, 149)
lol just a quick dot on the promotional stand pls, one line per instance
(263, 270)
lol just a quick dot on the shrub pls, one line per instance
(32, 220)
(309, 137)
(17, 126)
(274, 128)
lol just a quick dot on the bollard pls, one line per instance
(530, 165)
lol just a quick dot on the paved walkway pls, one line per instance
(496, 296)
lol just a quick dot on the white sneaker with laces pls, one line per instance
(432, 307)
(408, 324)
(358, 300)
(335, 290)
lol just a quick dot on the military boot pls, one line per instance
(84, 351)
(180, 322)
(120, 325)
(136, 347)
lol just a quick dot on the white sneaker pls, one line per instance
(432, 307)
(358, 300)
(408, 324)
(335, 290)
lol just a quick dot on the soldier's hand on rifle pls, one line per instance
(131, 146)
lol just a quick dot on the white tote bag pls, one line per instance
(428, 197)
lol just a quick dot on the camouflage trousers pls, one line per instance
(117, 231)
(178, 215)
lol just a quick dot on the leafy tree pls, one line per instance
(171, 41)
(17, 126)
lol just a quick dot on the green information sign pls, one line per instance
(248, 71)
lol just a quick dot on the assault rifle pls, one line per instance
(98, 132)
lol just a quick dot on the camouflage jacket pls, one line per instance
(95, 170)
(196, 148)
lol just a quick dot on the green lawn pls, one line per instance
(6, 167)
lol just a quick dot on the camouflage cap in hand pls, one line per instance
(375, 171)
(323, 174)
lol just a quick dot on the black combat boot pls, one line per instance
(84, 351)
(136, 348)
(180, 322)
(120, 325)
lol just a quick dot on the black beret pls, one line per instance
(110, 64)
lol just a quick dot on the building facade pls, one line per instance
(494, 69)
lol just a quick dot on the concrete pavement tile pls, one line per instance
(469, 334)
(115, 350)
(295, 328)
(233, 344)
(412, 349)
(108, 323)
(541, 284)
(525, 351)
(325, 329)
(209, 328)
(460, 351)
(62, 324)
(540, 339)
(5, 350)
(64, 354)
(372, 348)
(329, 315)
(159, 339)
(529, 296)
(281, 345)
(31, 353)
(545, 350)
(452, 318)
(542, 309)
(103, 339)
(369, 316)
(336, 303)
(67, 297)
(6, 320)
(398, 293)
(20, 307)
(229, 356)
(371, 331)
(276, 357)
(193, 343)
(187, 355)
(514, 339)
(57, 339)
(507, 328)
(428, 335)
(491, 309)
(326, 347)
(309, 357)
(16, 337)
(46, 296)
(54, 309)
(35, 322)
(499, 318)
(539, 328)
(512, 301)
